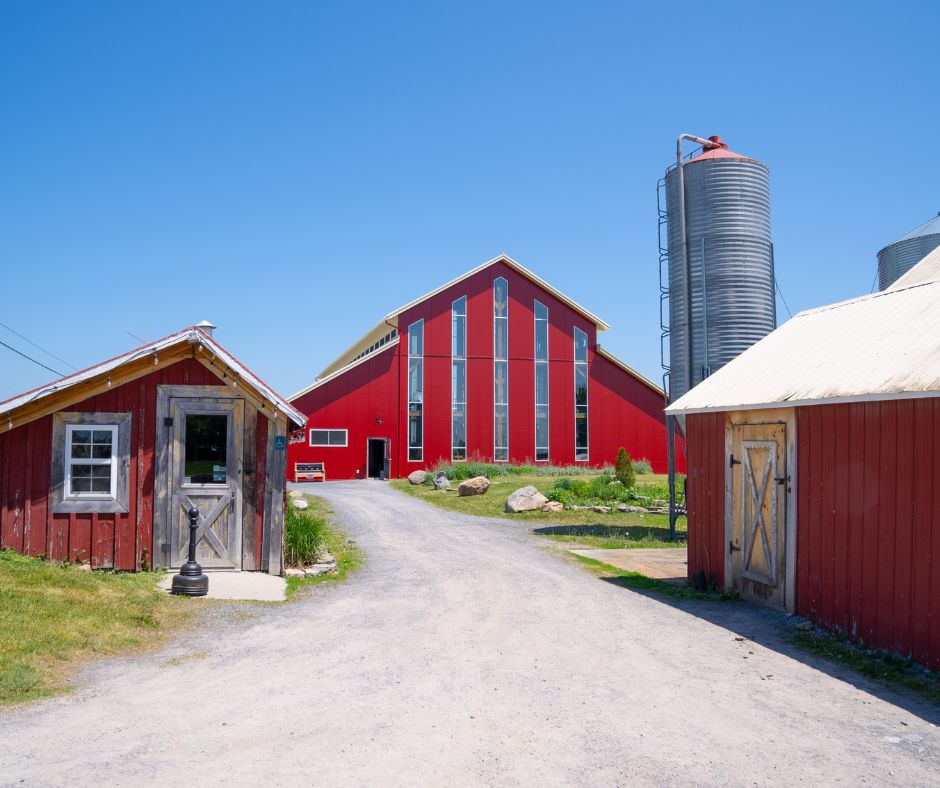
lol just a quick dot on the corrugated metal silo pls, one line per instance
(721, 279)
(898, 258)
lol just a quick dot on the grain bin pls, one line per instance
(720, 260)
(897, 258)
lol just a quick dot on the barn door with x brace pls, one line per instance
(758, 538)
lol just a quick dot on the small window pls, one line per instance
(206, 451)
(329, 437)
(90, 461)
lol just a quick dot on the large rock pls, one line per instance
(622, 507)
(418, 477)
(553, 506)
(295, 494)
(475, 486)
(525, 499)
(601, 509)
(441, 483)
(300, 503)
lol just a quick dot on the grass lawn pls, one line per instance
(52, 615)
(588, 528)
(347, 553)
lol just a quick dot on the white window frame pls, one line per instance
(453, 365)
(411, 447)
(537, 362)
(112, 462)
(587, 387)
(501, 360)
(328, 445)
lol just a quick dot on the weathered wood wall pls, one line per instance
(705, 447)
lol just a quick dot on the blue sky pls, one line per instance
(292, 172)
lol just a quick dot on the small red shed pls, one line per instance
(814, 467)
(104, 464)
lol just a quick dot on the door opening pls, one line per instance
(377, 454)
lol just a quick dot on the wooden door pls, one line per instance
(204, 471)
(759, 481)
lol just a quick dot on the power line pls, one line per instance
(53, 355)
(130, 334)
(20, 353)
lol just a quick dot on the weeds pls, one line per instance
(304, 533)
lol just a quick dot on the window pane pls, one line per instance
(501, 382)
(580, 430)
(206, 453)
(501, 425)
(100, 451)
(102, 437)
(80, 483)
(500, 339)
(416, 339)
(415, 379)
(459, 433)
(458, 338)
(81, 471)
(500, 297)
(541, 311)
(541, 425)
(541, 384)
(414, 425)
(414, 455)
(580, 345)
(319, 437)
(459, 381)
(82, 451)
(541, 340)
(337, 437)
(81, 436)
(580, 385)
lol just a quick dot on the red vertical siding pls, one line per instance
(622, 410)
(867, 523)
(705, 441)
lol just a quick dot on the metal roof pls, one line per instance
(876, 347)
(930, 227)
(193, 335)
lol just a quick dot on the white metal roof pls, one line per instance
(880, 346)
(927, 270)
(192, 334)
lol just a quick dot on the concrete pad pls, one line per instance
(258, 586)
(660, 563)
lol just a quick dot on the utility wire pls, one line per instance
(142, 341)
(787, 306)
(20, 353)
(53, 355)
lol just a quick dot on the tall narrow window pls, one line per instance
(501, 370)
(541, 382)
(581, 453)
(415, 391)
(458, 379)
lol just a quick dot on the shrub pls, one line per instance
(458, 471)
(304, 533)
(624, 468)
(642, 467)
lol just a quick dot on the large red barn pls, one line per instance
(102, 466)
(814, 467)
(495, 365)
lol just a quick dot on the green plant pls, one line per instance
(303, 536)
(642, 467)
(624, 468)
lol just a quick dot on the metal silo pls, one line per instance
(898, 258)
(720, 260)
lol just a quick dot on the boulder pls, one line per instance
(475, 486)
(601, 509)
(441, 483)
(418, 477)
(525, 499)
(300, 503)
(295, 494)
(622, 507)
(553, 506)
(294, 571)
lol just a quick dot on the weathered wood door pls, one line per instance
(204, 470)
(759, 482)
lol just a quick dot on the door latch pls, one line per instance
(732, 461)
(732, 548)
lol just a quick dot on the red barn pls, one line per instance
(103, 465)
(495, 365)
(814, 467)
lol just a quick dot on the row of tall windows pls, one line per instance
(500, 382)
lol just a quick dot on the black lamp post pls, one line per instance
(191, 581)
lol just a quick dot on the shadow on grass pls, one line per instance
(891, 678)
(632, 533)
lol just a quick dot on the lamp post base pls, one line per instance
(190, 581)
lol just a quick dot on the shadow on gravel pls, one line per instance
(771, 629)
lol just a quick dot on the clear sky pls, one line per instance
(293, 172)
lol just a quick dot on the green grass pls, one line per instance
(304, 533)
(637, 582)
(889, 669)
(54, 615)
(616, 529)
(348, 555)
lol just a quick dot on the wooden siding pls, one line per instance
(705, 446)
(869, 521)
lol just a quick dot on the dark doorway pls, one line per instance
(376, 452)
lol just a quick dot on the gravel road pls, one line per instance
(467, 651)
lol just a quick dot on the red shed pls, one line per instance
(814, 467)
(104, 464)
(497, 365)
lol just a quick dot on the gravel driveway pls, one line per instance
(467, 652)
